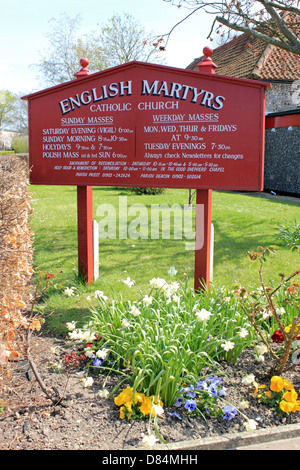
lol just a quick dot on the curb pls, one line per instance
(233, 441)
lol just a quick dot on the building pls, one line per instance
(247, 57)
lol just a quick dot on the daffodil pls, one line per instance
(104, 393)
(150, 440)
(227, 345)
(100, 295)
(147, 300)
(250, 425)
(69, 291)
(157, 410)
(87, 381)
(157, 282)
(243, 333)
(128, 282)
(248, 379)
(135, 311)
(202, 315)
(243, 405)
(172, 271)
(71, 325)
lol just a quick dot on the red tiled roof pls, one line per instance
(248, 57)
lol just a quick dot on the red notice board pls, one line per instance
(143, 125)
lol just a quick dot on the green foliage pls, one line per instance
(20, 144)
(273, 311)
(241, 223)
(149, 191)
(7, 106)
(170, 334)
(289, 234)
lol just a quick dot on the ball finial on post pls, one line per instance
(84, 71)
(207, 65)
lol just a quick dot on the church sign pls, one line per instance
(148, 125)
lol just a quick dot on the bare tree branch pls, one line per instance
(263, 37)
(273, 22)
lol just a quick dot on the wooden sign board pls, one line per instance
(145, 125)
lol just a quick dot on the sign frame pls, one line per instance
(172, 84)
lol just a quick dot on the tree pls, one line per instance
(274, 22)
(7, 107)
(123, 39)
(120, 40)
(60, 60)
(20, 115)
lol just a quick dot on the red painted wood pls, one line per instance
(85, 214)
(286, 120)
(145, 125)
(85, 232)
(203, 239)
(203, 211)
(206, 65)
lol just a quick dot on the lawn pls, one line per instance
(242, 222)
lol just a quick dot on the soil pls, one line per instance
(84, 421)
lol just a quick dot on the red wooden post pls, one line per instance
(203, 238)
(203, 209)
(85, 214)
(85, 232)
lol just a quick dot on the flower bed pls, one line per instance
(165, 343)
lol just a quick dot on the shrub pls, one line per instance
(149, 191)
(274, 312)
(15, 253)
(20, 144)
(289, 234)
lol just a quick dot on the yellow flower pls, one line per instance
(289, 401)
(257, 387)
(127, 407)
(287, 385)
(296, 406)
(277, 384)
(288, 328)
(123, 397)
(286, 406)
(122, 412)
(146, 405)
(268, 394)
(126, 395)
(155, 400)
(292, 395)
(138, 397)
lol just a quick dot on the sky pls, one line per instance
(24, 24)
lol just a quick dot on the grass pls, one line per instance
(241, 223)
